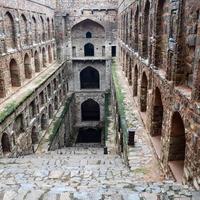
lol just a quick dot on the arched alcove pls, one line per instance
(135, 82)
(143, 93)
(14, 74)
(34, 135)
(27, 66)
(90, 110)
(89, 78)
(37, 62)
(5, 142)
(89, 49)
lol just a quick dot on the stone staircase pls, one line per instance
(80, 173)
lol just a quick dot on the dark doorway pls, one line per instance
(90, 110)
(143, 95)
(89, 78)
(5, 143)
(89, 135)
(113, 51)
(89, 49)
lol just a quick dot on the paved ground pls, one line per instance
(78, 173)
(85, 173)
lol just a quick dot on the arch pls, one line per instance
(10, 31)
(44, 57)
(34, 135)
(89, 78)
(43, 122)
(90, 110)
(136, 32)
(49, 54)
(85, 22)
(27, 66)
(34, 28)
(48, 29)
(14, 74)
(162, 37)
(2, 84)
(177, 138)
(135, 80)
(50, 111)
(18, 126)
(37, 62)
(60, 95)
(24, 29)
(130, 72)
(89, 49)
(177, 146)
(42, 29)
(157, 119)
(88, 35)
(146, 30)
(143, 93)
(5, 143)
(56, 103)
(53, 28)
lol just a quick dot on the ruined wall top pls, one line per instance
(29, 4)
(87, 4)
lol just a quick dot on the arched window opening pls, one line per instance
(5, 143)
(161, 33)
(136, 30)
(90, 110)
(37, 62)
(34, 135)
(44, 57)
(24, 30)
(32, 109)
(10, 31)
(135, 87)
(27, 66)
(177, 145)
(56, 103)
(43, 122)
(146, 30)
(48, 29)
(88, 35)
(89, 49)
(143, 94)
(49, 54)
(34, 27)
(14, 74)
(2, 85)
(130, 72)
(42, 29)
(18, 126)
(89, 78)
(50, 111)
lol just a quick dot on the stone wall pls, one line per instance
(165, 84)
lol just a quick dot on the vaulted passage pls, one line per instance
(89, 135)
(89, 78)
(90, 110)
(157, 121)
(177, 146)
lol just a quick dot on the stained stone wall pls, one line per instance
(33, 86)
(172, 72)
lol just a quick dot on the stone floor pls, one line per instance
(85, 173)
(81, 173)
